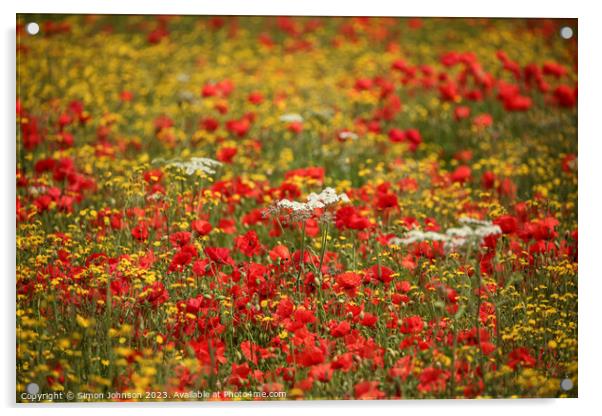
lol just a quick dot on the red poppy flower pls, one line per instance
(295, 127)
(380, 273)
(545, 229)
(209, 352)
(517, 103)
(461, 174)
(321, 372)
(482, 120)
(155, 294)
(368, 390)
(449, 92)
(386, 201)
(369, 320)
(140, 231)
(227, 226)
(554, 69)
(488, 180)
(349, 280)
(180, 238)
(461, 112)
(569, 163)
(415, 138)
(255, 98)
(239, 127)
(349, 217)
(402, 368)
(520, 356)
(209, 90)
(311, 355)
(314, 172)
(280, 253)
(397, 135)
(248, 244)
(210, 124)
(412, 325)
(363, 84)
(285, 308)
(220, 255)
(163, 122)
(239, 374)
(343, 362)
(126, 96)
(226, 154)
(340, 329)
(182, 258)
(565, 96)
(201, 227)
(433, 380)
(508, 223)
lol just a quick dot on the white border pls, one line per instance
(506, 8)
(590, 137)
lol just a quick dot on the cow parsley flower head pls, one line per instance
(415, 236)
(183, 77)
(473, 232)
(37, 190)
(348, 135)
(291, 118)
(303, 210)
(474, 221)
(326, 198)
(194, 164)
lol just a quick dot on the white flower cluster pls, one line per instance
(37, 190)
(183, 77)
(473, 232)
(327, 197)
(190, 167)
(298, 210)
(348, 135)
(291, 118)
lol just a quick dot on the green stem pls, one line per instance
(478, 320)
(301, 259)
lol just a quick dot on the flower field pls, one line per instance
(270, 208)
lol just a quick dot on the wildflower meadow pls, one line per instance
(295, 208)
